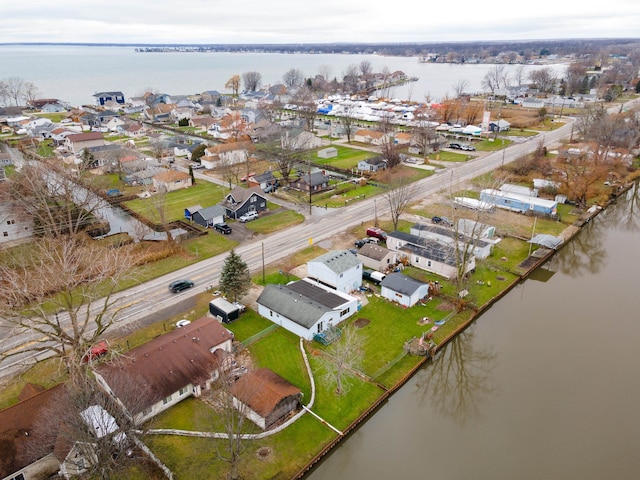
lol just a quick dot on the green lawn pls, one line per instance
(347, 157)
(202, 193)
(275, 222)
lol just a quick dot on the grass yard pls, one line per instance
(275, 222)
(347, 158)
(202, 193)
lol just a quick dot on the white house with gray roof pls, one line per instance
(305, 307)
(338, 269)
(402, 289)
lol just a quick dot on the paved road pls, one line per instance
(138, 303)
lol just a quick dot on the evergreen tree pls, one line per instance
(235, 279)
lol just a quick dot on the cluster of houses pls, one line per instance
(182, 363)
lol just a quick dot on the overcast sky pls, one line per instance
(304, 21)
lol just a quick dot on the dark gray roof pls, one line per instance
(264, 177)
(338, 261)
(211, 212)
(401, 283)
(317, 178)
(316, 294)
(293, 305)
(446, 232)
(425, 248)
(239, 195)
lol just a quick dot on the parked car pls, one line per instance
(442, 221)
(196, 166)
(247, 217)
(455, 146)
(378, 233)
(182, 323)
(222, 228)
(114, 192)
(468, 148)
(363, 241)
(180, 285)
(98, 350)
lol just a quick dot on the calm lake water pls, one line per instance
(75, 73)
(543, 386)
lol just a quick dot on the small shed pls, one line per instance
(223, 310)
(189, 211)
(328, 152)
(208, 217)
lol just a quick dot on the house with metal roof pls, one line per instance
(172, 367)
(402, 289)
(337, 269)
(428, 254)
(305, 307)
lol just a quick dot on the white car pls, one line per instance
(182, 323)
(247, 217)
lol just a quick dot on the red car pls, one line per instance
(98, 350)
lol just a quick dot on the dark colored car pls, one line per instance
(222, 228)
(455, 146)
(377, 233)
(442, 221)
(180, 285)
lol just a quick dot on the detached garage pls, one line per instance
(224, 311)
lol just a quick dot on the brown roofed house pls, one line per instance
(265, 397)
(171, 180)
(171, 367)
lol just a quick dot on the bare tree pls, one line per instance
(59, 202)
(574, 76)
(325, 71)
(399, 196)
(100, 431)
(459, 87)
(307, 107)
(15, 89)
(284, 153)
(251, 80)
(157, 212)
(233, 84)
(293, 77)
(518, 75)
(543, 78)
(494, 78)
(348, 121)
(342, 359)
(390, 152)
(351, 78)
(366, 72)
(423, 135)
(60, 291)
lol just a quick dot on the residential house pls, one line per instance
(338, 269)
(242, 200)
(371, 165)
(230, 153)
(316, 182)
(208, 217)
(428, 254)
(24, 453)
(373, 137)
(171, 180)
(499, 126)
(265, 397)
(453, 239)
(114, 123)
(377, 257)
(263, 130)
(203, 123)
(266, 181)
(298, 139)
(79, 141)
(133, 130)
(172, 367)
(160, 113)
(305, 307)
(402, 289)
(532, 102)
(144, 177)
(103, 155)
(402, 138)
(103, 98)
(210, 96)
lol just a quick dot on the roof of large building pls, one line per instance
(170, 362)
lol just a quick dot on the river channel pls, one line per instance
(542, 386)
